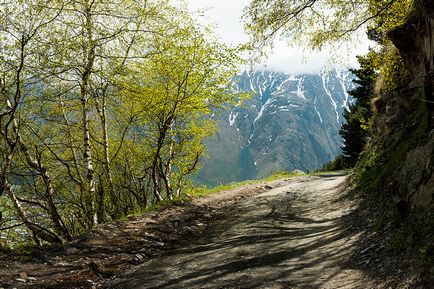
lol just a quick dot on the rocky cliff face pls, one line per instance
(291, 122)
(400, 158)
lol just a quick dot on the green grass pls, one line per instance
(153, 207)
(282, 175)
(326, 172)
(204, 191)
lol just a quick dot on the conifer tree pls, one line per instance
(355, 130)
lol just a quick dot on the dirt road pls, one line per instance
(290, 236)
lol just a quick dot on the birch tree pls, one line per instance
(104, 109)
(21, 29)
(182, 84)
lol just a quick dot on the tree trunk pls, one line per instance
(72, 146)
(87, 155)
(37, 231)
(52, 210)
(58, 224)
(102, 112)
(155, 182)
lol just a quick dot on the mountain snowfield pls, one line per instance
(291, 122)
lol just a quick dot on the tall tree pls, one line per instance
(181, 86)
(355, 130)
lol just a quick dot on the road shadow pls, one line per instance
(278, 249)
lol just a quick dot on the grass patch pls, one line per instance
(282, 175)
(153, 207)
(328, 172)
(204, 191)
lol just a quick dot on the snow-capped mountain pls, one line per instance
(291, 122)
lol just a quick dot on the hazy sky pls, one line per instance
(226, 14)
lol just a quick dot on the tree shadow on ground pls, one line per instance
(281, 248)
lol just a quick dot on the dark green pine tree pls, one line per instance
(355, 131)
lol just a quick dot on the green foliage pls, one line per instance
(24, 248)
(392, 70)
(204, 191)
(339, 163)
(320, 22)
(176, 92)
(355, 130)
(391, 14)
(104, 110)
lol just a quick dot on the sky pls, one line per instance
(226, 15)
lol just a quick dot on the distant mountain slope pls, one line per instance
(292, 122)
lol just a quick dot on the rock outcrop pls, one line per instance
(399, 160)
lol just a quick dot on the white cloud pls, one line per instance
(226, 14)
(295, 60)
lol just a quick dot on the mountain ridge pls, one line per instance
(291, 122)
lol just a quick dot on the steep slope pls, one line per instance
(291, 122)
(395, 173)
(398, 163)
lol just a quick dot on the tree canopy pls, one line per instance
(316, 23)
(355, 131)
